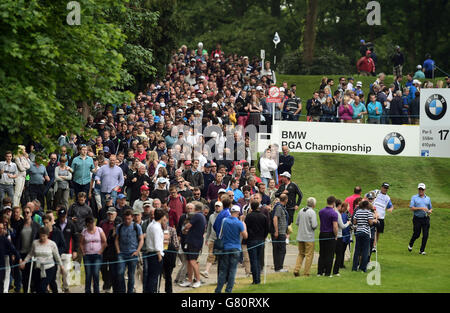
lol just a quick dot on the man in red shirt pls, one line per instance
(365, 65)
(356, 194)
(177, 204)
(140, 153)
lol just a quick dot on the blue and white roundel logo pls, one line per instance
(435, 107)
(394, 143)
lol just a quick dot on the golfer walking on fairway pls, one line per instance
(421, 206)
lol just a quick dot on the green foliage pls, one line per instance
(246, 26)
(242, 27)
(326, 60)
(48, 67)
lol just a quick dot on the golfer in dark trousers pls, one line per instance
(257, 229)
(421, 206)
(327, 237)
(280, 225)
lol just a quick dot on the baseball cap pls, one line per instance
(189, 101)
(187, 162)
(421, 186)
(415, 81)
(385, 185)
(370, 195)
(62, 212)
(7, 208)
(207, 165)
(121, 196)
(111, 210)
(120, 112)
(147, 203)
(218, 203)
(144, 187)
(102, 122)
(214, 105)
(235, 208)
(106, 149)
(286, 174)
(136, 211)
(259, 88)
(359, 84)
(161, 180)
(282, 89)
(350, 78)
(419, 67)
(221, 190)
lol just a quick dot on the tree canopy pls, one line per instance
(51, 70)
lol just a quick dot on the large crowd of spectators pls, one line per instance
(161, 173)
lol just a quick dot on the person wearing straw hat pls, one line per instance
(422, 208)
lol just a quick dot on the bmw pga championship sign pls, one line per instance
(363, 139)
(434, 122)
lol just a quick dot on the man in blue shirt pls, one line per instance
(232, 230)
(234, 186)
(128, 242)
(421, 206)
(428, 66)
(375, 110)
(82, 167)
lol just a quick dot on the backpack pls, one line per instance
(272, 215)
(135, 229)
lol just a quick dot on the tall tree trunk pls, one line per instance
(309, 37)
(275, 8)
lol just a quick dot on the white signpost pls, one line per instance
(276, 41)
(434, 122)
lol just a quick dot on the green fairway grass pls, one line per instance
(321, 175)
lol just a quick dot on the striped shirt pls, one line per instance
(362, 218)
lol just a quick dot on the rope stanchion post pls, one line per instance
(265, 260)
(31, 274)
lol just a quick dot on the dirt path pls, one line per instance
(210, 282)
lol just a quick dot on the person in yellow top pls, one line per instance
(232, 116)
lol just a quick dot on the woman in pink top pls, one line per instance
(92, 244)
(346, 110)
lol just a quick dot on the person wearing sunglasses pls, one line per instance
(27, 232)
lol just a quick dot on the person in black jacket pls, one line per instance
(135, 181)
(291, 189)
(314, 108)
(6, 249)
(397, 109)
(71, 240)
(257, 229)
(286, 161)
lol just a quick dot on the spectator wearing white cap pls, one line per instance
(421, 206)
(293, 192)
(231, 232)
(210, 237)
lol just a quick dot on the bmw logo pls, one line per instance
(394, 143)
(435, 107)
